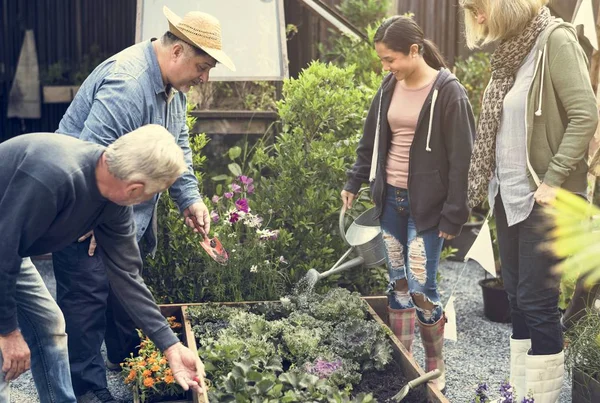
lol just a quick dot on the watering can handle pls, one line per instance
(342, 216)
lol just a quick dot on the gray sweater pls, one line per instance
(49, 198)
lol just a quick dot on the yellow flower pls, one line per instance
(169, 379)
(168, 371)
(155, 368)
(151, 360)
(163, 361)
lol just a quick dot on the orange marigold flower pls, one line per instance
(169, 379)
(155, 368)
(147, 373)
(148, 382)
(168, 371)
(163, 361)
(151, 360)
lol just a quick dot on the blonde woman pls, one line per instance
(538, 115)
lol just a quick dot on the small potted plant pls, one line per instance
(495, 299)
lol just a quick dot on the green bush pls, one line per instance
(322, 114)
(363, 12)
(474, 73)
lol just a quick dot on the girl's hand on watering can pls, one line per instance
(347, 199)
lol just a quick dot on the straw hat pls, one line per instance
(201, 30)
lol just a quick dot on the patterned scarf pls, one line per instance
(505, 63)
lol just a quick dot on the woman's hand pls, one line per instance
(544, 194)
(347, 199)
(446, 236)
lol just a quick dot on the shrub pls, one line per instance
(474, 73)
(322, 113)
(362, 12)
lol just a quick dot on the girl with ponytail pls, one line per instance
(415, 153)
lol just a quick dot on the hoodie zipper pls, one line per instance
(428, 103)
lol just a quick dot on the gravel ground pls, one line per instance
(481, 353)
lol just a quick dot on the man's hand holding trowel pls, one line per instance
(197, 218)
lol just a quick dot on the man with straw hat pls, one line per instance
(145, 83)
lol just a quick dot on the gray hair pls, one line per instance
(149, 155)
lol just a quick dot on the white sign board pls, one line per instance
(253, 34)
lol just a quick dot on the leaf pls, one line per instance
(576, 236)
(235, 169)
(265, 385)
(220, 178)
(235, 152)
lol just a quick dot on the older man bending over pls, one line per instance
(53, 190)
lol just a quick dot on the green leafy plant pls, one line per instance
(362, 12)
(584, 345)
(235, 95)
(576, 236)
(302, 173)
(297, 357)
(474, 73)
(65, 73)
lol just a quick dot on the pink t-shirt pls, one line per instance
(402, 116)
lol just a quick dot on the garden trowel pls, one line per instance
(416, 382)
(212, 246)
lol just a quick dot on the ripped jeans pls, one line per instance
(411, 256)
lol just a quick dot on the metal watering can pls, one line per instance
(364, 237)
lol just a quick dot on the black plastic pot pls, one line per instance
(465, 240)
(495, 301)
(585, 388)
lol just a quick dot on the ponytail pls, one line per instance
(432, 55)
(399, 33)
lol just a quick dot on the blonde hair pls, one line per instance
(504, 19)
(149, 155)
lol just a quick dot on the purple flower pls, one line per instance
(236, 188)
(242, 205)
(481, 394)
(228, 195)
(245, 180)
(233, 217)
(215, 199)
(214, 215)
(323, 368)
(250, 189)
(506, 393)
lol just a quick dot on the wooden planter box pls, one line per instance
(585, 389)
(188, 340)
(234, 122)
(59, 94)
(378, 310)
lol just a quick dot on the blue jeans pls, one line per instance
(43, 327)
(81, 293)
(530, 282)
(93, 314)
(411, 256)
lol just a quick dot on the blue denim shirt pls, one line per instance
(123, 93)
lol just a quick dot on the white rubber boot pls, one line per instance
(518, 353)
(544, 376)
